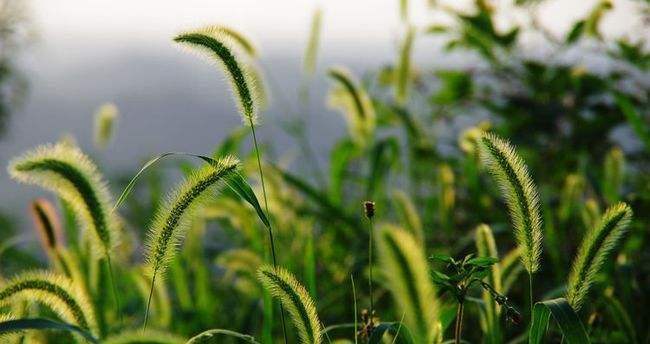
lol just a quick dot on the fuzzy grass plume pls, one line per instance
(105, 118)
(311, 52)
(405, 269)
(218, 46)
(403, 70)
(68, 172)
(172, 218)
(60, 294)
(47, 223)
(355, 104)
(295, 298)
(594, 250)
(520, 194)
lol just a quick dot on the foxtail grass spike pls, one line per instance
(47, 223)
(595, 250)
(105, 118)
(172, 218)
(519, 193)
(311, 54)
(355, 104)
(217, 46)
(404, 266)
(408, 214)
(403, 71)
(220, 32)
(66, 171)
(295, 298)
(67, 299)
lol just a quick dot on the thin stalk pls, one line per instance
(460, 311)
(146, 313)
(115, 295)
(530, 292)
(356, 323)
(266, 208)
(370, 236)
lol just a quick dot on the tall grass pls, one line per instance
(594, 251)
(173, 217)
(520, 194)
(65, 297)
(295, 298)
(404, 268)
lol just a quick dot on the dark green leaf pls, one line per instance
(44, 324)
(568, 321)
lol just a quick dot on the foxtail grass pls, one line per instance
(595, 250)
(219, 48)
(520, 194)
(403, 70)
(404, 267)
(63, 296)
(105, 119)
(173, 217)
(355, 104)
(65, 170)
(295, 298)
(486, 247)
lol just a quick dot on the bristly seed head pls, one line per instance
(369, 209)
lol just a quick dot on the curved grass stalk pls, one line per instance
(66, 171)
(594, 250)
(142, 337)
(210, 336)
(161, 302)
(403, 71)
(172, 218)
(520, 194)
(105, 118)
(486, 247)
(216, 45)
(295, 298)
(9, 336)
(405, 269)
(354, 103)
(58, 293)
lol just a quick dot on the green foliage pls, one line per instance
(572, 329)
(354, 103)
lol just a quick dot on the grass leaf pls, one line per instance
(568, 321)
(18, 325)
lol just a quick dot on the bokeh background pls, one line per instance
(71, 56)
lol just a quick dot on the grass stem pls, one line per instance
(266, 208)
(115, 295)
(146, 312)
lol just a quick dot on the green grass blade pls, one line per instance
(566, 318)
(40, 324)
(634, 118)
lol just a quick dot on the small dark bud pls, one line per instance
(369, 209)
(513, 316)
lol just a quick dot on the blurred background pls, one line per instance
(62, 59)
